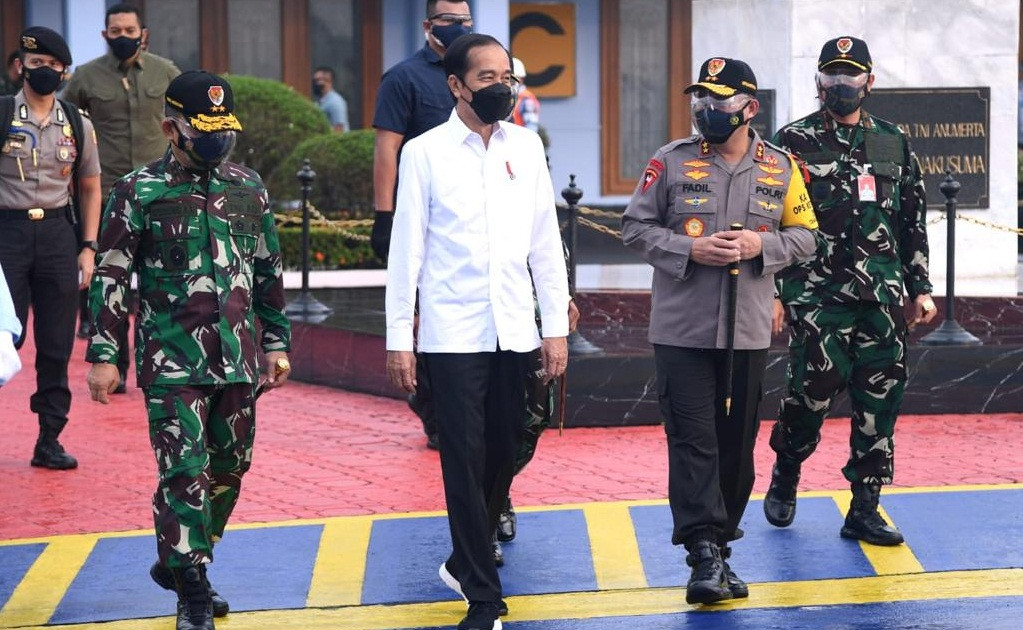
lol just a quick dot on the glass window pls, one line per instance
(335, 41)
(643, 81)
(174, 31)
(254, 37)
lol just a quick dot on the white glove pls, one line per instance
(10, 362)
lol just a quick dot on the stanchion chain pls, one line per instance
(593, 225)
(600, 214)
(339, 226)
(994, 226)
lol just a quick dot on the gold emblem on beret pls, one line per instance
(28, 42)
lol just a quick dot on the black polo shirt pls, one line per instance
(414, 95)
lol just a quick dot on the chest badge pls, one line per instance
(770, 170)
(67, 130)
(696, 163)
(770, 181)
(693, 227)
(63, 153)
(767, 205)
(696, 174)
(695, 202)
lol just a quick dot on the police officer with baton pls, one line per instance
(678, 220)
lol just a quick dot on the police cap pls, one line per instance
(725, 77)
(845, 50)
(205, 100)
(43, 41)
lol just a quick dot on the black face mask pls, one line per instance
(318, 89)
(717, 126)
(208, 150)
(124, 47)
(492, 103)
(43, 80)
(843, 100)
(446, 34)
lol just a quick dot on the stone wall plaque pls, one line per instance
(947, 128)
(764, 121)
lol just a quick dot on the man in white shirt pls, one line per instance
(474, 216)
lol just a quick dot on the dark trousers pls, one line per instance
(40, 261)
(479, 405)
(120, 333)
(710, 454)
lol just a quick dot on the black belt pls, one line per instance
(33, 214)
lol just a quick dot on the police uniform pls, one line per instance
(688, 191)
(207, 256)
(39, 244)
(846, 305)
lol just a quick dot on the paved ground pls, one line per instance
(336, 475)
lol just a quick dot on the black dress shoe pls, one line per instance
(165, 578)
(506, 522)
(736, 585)
(50, 454)
(481, 616)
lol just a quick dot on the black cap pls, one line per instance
(205, 100)
(725, 77)
(845, 50)
(44, 41)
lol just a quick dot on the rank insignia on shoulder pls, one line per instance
(759, 154)
(696, 174)
(695, 202)
(693, 227)
(770, 181)
(771, 170)
(696, 163)
(704, 148)
(652, 172)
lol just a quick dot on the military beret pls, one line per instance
(725, 77)
(205, 99)
(43, 41)
(845, 50)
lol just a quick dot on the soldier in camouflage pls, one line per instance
(845, 307)
(199, 233)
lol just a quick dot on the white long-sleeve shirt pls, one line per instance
(468, 219)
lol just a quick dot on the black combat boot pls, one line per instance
(195, 608)
(506, 522)
(780, 501)
(163, 576)
(736, 586)
(863, 521)
(50, 454)
(707, 584)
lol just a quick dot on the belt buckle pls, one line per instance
(36, 214)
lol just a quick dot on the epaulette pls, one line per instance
(674, 144)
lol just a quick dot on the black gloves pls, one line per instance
(380, 238)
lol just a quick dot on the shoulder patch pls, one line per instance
(653, 170)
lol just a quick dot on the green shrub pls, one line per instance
(275, 119)
(327, 249)
(343, 187)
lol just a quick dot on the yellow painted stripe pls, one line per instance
(46, 582)
(534, 508)
(885, 560)
(591, 605)
(615, 550)
(340, 563)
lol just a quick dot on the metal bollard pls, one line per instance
(306, 307)
(577, 344)
(950, 333)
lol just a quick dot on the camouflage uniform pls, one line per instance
(208, 261)
(845, 305)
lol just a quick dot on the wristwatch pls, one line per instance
(93, 245)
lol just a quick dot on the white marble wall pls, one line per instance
(914, 43)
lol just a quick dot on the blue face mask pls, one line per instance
(446, 34)
(718, 126)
